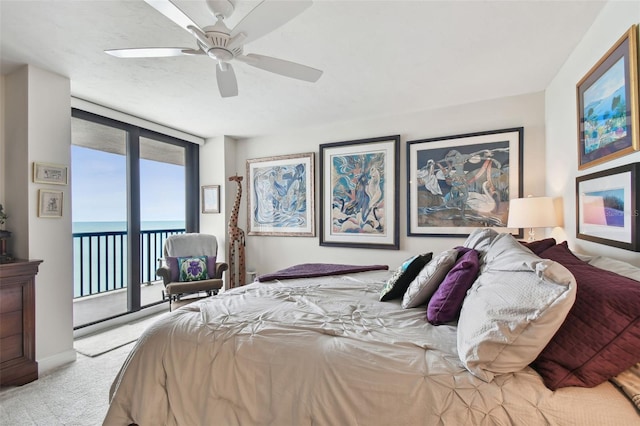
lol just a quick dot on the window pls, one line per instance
(131, 188)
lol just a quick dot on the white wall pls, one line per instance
(217, 160)
(2, 138)
(561, 118)
(267, 254)
(38, 128)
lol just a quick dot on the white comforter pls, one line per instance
(325, 351)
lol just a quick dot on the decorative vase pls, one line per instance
(4, 236)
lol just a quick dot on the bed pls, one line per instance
(327, 351)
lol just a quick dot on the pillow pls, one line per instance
(480, 240)
(621, 268)
(629, 382)
(601, 335)
(172, 264)
(512, 310)
(427, 281)
(539, 246)
(445, 304)
(402, 277)
(192, 268)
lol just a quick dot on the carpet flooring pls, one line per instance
(106, 341)
(76, 394)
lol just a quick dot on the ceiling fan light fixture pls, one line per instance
(220, 54)
(224, 45)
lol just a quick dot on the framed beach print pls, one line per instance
(281, 195)
(607, 98)
(49, 203)
(607, 210)
(360, 197)
(211, 199)
(459, 183)
(49, 173)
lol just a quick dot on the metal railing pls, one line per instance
(99, 259)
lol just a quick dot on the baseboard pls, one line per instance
(123, 319)
(55, 361)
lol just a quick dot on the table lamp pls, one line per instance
(532, 212)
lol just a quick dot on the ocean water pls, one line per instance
(99, 263)
(78, 227)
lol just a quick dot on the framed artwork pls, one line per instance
(49, 203)
(607, 207)
(281, 195)
(49, 173)
(459, 183)
(607, 98)
(360, 196)
(211, 199)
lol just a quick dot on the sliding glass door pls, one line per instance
(131, 189)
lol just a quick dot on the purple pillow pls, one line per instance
(600, 338)
(539, 246)
(172, 264)
(446, 302)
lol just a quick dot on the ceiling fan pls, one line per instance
(225, 45)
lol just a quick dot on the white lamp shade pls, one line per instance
(532, 212)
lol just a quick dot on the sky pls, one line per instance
(99, 189)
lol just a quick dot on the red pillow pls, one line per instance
(539, 246)
(600, 337)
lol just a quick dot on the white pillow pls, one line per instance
(426, 283)
(513, 309)
(617, 266)
(480, 240)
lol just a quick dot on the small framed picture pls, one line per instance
(211, 199)
(49, 203)
(607, 207)
(55, 174)
(607, 97)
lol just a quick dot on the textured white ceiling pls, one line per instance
(380, 58)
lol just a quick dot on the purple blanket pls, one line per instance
(310, 270)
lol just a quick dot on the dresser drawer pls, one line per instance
(11, 324)
(11, 299)
(11, 348)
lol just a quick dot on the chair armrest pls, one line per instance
(220, 268)
(165, 273)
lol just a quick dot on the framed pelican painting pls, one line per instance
(281, 195)
(459, 183)
(359, 193)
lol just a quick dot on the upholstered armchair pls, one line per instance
(189, 266)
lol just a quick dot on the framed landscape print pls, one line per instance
(607, 207)
(607, 98)
(281, 195)
(459, 183)
(359, 193)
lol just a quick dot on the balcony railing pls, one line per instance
(99, 259)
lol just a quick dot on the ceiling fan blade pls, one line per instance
(150, 52)
(267, 16)
(282, 67)
(173, 12)
(227, 83)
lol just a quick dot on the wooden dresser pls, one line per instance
(18, 322)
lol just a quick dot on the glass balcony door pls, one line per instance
(131, 189)
(162, 210)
